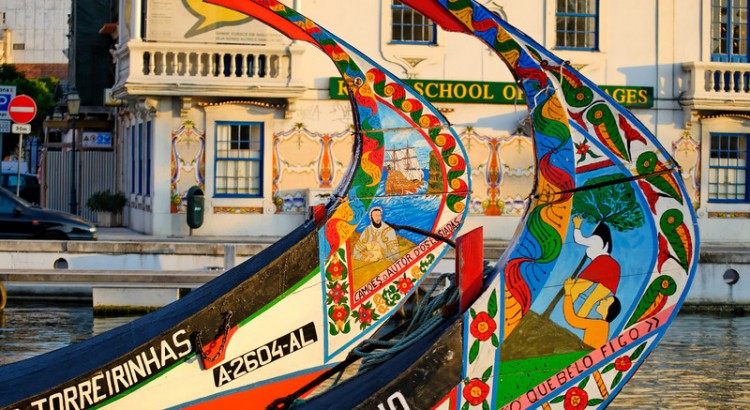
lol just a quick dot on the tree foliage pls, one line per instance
(610, 202)
(42, 90)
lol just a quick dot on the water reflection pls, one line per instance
(32, 328)
(702, 362)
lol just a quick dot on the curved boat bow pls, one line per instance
(602, 261)
(284, 316)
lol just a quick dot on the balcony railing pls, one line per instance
(713, 85)
(206, 69)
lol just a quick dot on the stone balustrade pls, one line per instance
(162, 68)
(712, 85)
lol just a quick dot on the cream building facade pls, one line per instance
(34, 31)
(258, 122)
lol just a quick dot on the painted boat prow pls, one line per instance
(301, 305)
(600, 174)
(31, 377)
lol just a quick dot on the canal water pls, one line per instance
(702, 362)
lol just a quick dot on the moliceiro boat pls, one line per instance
(298, 308)
(598, 269)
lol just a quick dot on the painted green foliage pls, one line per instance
(610, 203)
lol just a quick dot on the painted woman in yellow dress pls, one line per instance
(595, 331)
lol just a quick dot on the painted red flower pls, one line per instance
(336, 270)
(582, 148)
(404, 285)
(476, 391)
(623, 363)
(576, 399)
(483, 326)
(339, 313)
(365, 315)
(336, 293)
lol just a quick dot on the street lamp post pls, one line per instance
(74, 105)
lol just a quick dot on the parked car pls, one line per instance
(21, 220)
(29, 189)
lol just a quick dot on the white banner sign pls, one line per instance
(200, 22)
(21, 128)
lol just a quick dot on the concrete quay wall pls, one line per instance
(722, 276)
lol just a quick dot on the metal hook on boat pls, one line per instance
(224, 338)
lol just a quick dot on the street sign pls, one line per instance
(4, 126)
(22, 109)
(97, 140)
(7, 93)
(22, 128)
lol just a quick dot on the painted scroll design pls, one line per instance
(305, 161)
(687, 152)
(188, 160)
(503, 171)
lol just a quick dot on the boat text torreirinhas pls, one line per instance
(110, 381)
(265, 354)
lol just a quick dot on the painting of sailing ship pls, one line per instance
(404, 175)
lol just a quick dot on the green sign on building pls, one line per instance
(480, 92)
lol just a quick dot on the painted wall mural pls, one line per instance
(687, 153)
(502, 172)
(306, 164)
(188, 163)
(306, 161)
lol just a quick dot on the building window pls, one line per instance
(729, 31)
(133, 160)
(410, 26)
(577, 24)
(239, 159)
(727, 168)
(147, 159)
(140, 159)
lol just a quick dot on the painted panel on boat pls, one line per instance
(258, 332)
(607, 251)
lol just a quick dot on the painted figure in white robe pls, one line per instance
(378, 241)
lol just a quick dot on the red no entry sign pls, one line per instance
(22, 109)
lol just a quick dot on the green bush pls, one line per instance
(106, 201)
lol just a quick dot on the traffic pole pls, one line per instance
(18, 167)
